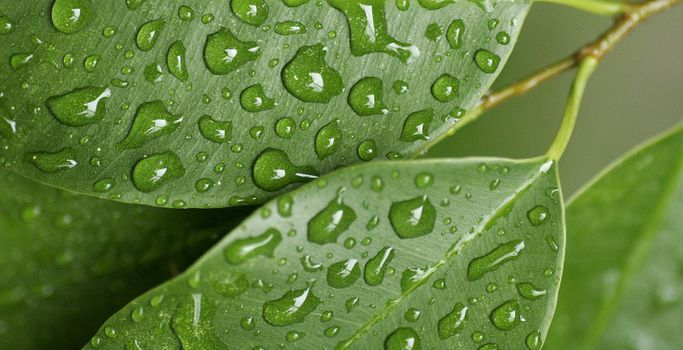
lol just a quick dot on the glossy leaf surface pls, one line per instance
(217, 103)
(438, 254)
(622, 287)
(68, 262)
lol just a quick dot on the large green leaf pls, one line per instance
(622, 287)
(68, 262)
(451, 253)
(214, 104)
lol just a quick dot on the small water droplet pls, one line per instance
(328, 140)
(291, 308)
(376, 267)
(537, 215)
(454, 322)
(486, 60)
(416, 126)
(403, 338)
(224, 53)
(367, 97)
(48, 162)
(413, 217)
(176, 61)
(80, 107)
(494, 259)
(153, 172)
(273, 171)
(152, 120)
(244, 249)
(506, 316)
(254, 99)
(308, 77)
(331, 222)
(343, 273)
(214, 130)
(148, 34)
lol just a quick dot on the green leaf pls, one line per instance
(214, 87)
(622, 287)
(68, 262)
(449, 253)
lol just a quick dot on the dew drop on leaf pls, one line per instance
(367, 97)
(509, 251)
(214, 130)
(230, 284)
(454, 33)
(445, 88)
(486, 61)
(148, 34)
(254, 99)
(537, 215)
(70, 16)
(253, 12)
(48, 162)
(403, 338)
(308, 77)
(80, 107)
(273, 171)
(454, 322)
(416, 126)
(343, 273)
(506, 316)
(152, 121)
(413, 217)
(290, 28)
(328, 140)
(529, 291)
(331, 222)
(224, 53)
(376, 267)
(291, 308)
(153, 172)
(367, 150)
(176, 61)
(244, 249)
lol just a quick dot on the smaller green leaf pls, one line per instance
(384, 255)
(622, 287)
(68, 261)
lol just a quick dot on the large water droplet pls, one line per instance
(454, 34)
(454, 322)
(486, 60)
(244, 249)
(537, 215)
(80, 107)
(214, 130)
(369, 30)
(529, 291)
(328, 140)
(273, 171)
(413, 217)
(253, 12)
(309, 78)
(152, 120)
(291, 308)
(70, 16)
(224, 53)
(416, 126)
(366, 97)
(176, 61)
(367, 150)
(403, 338)
(506, 316)
(254, 99)
(343, 274)
(150, 173)
(494, 259)
(6, 25)
(533, 340)
(53, 162)
(445, 88)
(376, 267)
(331, 222)
(149, 34)
(20, 60)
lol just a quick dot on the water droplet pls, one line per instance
(328, 140)
(152, 121)
(370, 33)
(293, 336)
(413, 276)
(439, 283)
(285, 127)
(19, 60)
(413, 217)
(367, 150)
(494, 259)
(503, 38)
(343, 274)
(90, 62)
(290, 28)
(204, 185)
(331, 331)
(537, 215)
(151, 173)
(424, 180)
(331, 222)
(529, 291)
(376, 267)
(244, 249)
(403, 338)
(309, 265)
(454, 322)
(70, 16)
(445, 88)
(137, 314)
(291, 308)
(486, 60)
(214, 130)
(253, 99)
(489, 346)
(434, 31)
(134, 4)
(533, 340)
(416, 126)
(176, 62)
(224, 53)
(253, 12)
(80, 107)
(273, 171)
(506, 316)
(149, 34)
(230, 284)
(104, 185)
(6, 25)
(295, 3)
(309, 78)
(186, 13)
(454, 34)
(367, 97)
(53, 162)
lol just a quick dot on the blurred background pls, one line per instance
(636, 93)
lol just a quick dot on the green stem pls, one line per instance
(598, 7)
(571, 111)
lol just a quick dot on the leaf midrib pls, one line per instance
(454, 250)
(638, 254)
